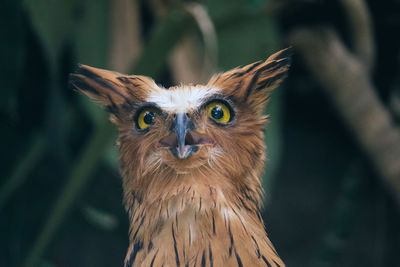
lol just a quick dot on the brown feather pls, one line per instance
(254, 82)
(203, 210)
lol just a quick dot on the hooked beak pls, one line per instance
(184, 140)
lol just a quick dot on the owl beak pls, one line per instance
(184, 140)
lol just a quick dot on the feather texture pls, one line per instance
(204, 209)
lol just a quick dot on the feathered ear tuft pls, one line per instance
(111, 89)
(252, 84)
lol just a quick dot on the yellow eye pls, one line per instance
(219, 111)
(146, 118)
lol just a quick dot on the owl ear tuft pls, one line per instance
(253, 83)
(111, 89)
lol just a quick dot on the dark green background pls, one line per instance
(60, 191)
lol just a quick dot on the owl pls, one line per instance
(191, 160)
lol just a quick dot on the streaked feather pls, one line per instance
(203, 210)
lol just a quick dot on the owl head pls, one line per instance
(213, 130)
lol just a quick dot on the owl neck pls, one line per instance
(192, 224)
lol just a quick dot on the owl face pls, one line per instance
(188, 126)
(184, 127)
(185, 124)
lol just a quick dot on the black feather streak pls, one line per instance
(136, 248)
(252, 66)
(265, 260)
(213, 224)
(268, 82)
(231, 239)
(239, 261)
(112, 108)
(101, 82)
(154, 257)
(276, 263)
(137, 229)
(203, 259)
(257, 247)
(210, 256)
(78, 83)
(270, 66)
(175, 247)
(150, 246)
(244, 205)
(200, 204)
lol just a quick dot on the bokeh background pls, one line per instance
(332, 180)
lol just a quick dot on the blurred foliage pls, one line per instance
(60, 192)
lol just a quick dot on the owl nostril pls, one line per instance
(189, 139)
(169, 141)
(195, 138)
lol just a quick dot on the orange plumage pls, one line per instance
(191, 159)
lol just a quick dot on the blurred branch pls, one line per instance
(361, 30)
(24, 167)
(163, 39)
(188, 63)
(207, 29)
(151, 60)
(348, 85)
(126, 42)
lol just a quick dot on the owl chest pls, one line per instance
(201, 238)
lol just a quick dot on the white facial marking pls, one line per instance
(180, 99)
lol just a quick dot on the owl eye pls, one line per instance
(219, 112)
(146, 118)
